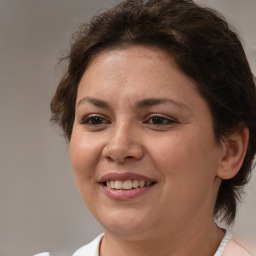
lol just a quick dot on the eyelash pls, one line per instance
(94, 118)
(165, 121)
(97, 120)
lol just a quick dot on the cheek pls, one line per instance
(188, 168)
(84, 156)
(188, 157)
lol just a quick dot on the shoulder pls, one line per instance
(236, 248)
(91, 249)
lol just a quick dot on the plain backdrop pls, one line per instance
(40, 208)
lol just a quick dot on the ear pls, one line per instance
(233, 153)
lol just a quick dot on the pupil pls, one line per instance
(96, 120)
(157, 120)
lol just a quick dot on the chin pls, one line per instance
(125, 223)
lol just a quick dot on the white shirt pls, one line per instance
(91, 249)
(227, 247)
(234, 249)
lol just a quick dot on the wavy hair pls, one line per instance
(204, 47)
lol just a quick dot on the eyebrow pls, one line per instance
(149, 102)
(96, 102)
(157, 101)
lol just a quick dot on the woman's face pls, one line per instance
(143, 149)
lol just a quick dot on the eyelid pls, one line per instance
(85, 120)
(94, 115)
(161, 115)
(169, 118)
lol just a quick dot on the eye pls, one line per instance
(158, 119)
(94, 120)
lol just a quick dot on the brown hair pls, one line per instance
(204, 47)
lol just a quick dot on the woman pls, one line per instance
(158, 103)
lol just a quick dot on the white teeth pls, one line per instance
(127, 184)
(112, 184)
(135, 183)
(118, 184)
(141, 183)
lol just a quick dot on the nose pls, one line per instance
(123, 143)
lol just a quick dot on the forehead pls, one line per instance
(123, 77)
(135, 64)
(132, 52)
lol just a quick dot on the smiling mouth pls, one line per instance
(127, 184)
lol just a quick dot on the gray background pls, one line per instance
(40, 209)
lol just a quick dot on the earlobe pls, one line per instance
(234, 150)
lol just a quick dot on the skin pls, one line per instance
(177, 149)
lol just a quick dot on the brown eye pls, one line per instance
(94, 120)
(160, 120)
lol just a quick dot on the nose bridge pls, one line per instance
(122, 133)
(123, 142)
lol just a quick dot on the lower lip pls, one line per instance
(125, 194)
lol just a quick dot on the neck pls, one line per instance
(200, 240)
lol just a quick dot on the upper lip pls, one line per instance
(124, 176)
